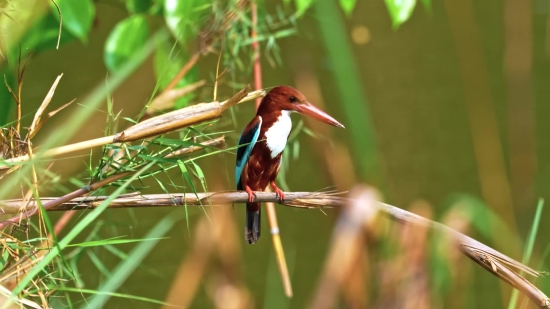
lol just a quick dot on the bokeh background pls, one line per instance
(445, 114)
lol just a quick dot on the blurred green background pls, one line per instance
(446, 108)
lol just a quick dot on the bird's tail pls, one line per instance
(253, 220)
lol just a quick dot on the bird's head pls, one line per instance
(289, 99)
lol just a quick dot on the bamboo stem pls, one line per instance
(155, 126)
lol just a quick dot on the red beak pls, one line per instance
(310, 110)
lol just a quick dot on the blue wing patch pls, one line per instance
(249, 136)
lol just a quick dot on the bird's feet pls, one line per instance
(251, 194)
(278, 192)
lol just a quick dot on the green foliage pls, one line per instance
(400, 10)
(78, 16)
(128, 36)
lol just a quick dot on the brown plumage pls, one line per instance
(258, 164)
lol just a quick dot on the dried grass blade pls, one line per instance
(43, 106)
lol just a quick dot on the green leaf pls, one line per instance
(77, 15)
(138, 6)
(127, 38)
(302, 6)
(182, 16)
(349, 5)
(400, 11)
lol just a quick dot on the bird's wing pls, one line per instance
(248, 139)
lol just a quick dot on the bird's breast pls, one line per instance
(276, 136)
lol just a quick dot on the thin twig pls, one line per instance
(60, 23)
(43, 107)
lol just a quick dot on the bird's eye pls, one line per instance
(292, 99)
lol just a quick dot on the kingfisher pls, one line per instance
(261, 146)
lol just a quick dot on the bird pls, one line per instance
(261, 147)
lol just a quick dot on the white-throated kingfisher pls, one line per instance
(262, 144)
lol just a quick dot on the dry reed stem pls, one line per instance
(294, 199)
(492, 260)
(499, 268)
(151, 127)
(346, 245)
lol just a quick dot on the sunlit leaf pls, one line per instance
(302, 6)
(400, 10)
(127, 38)
(349, 5)
(78, 16)
(182, 16)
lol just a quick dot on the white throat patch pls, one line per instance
(277, 135)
